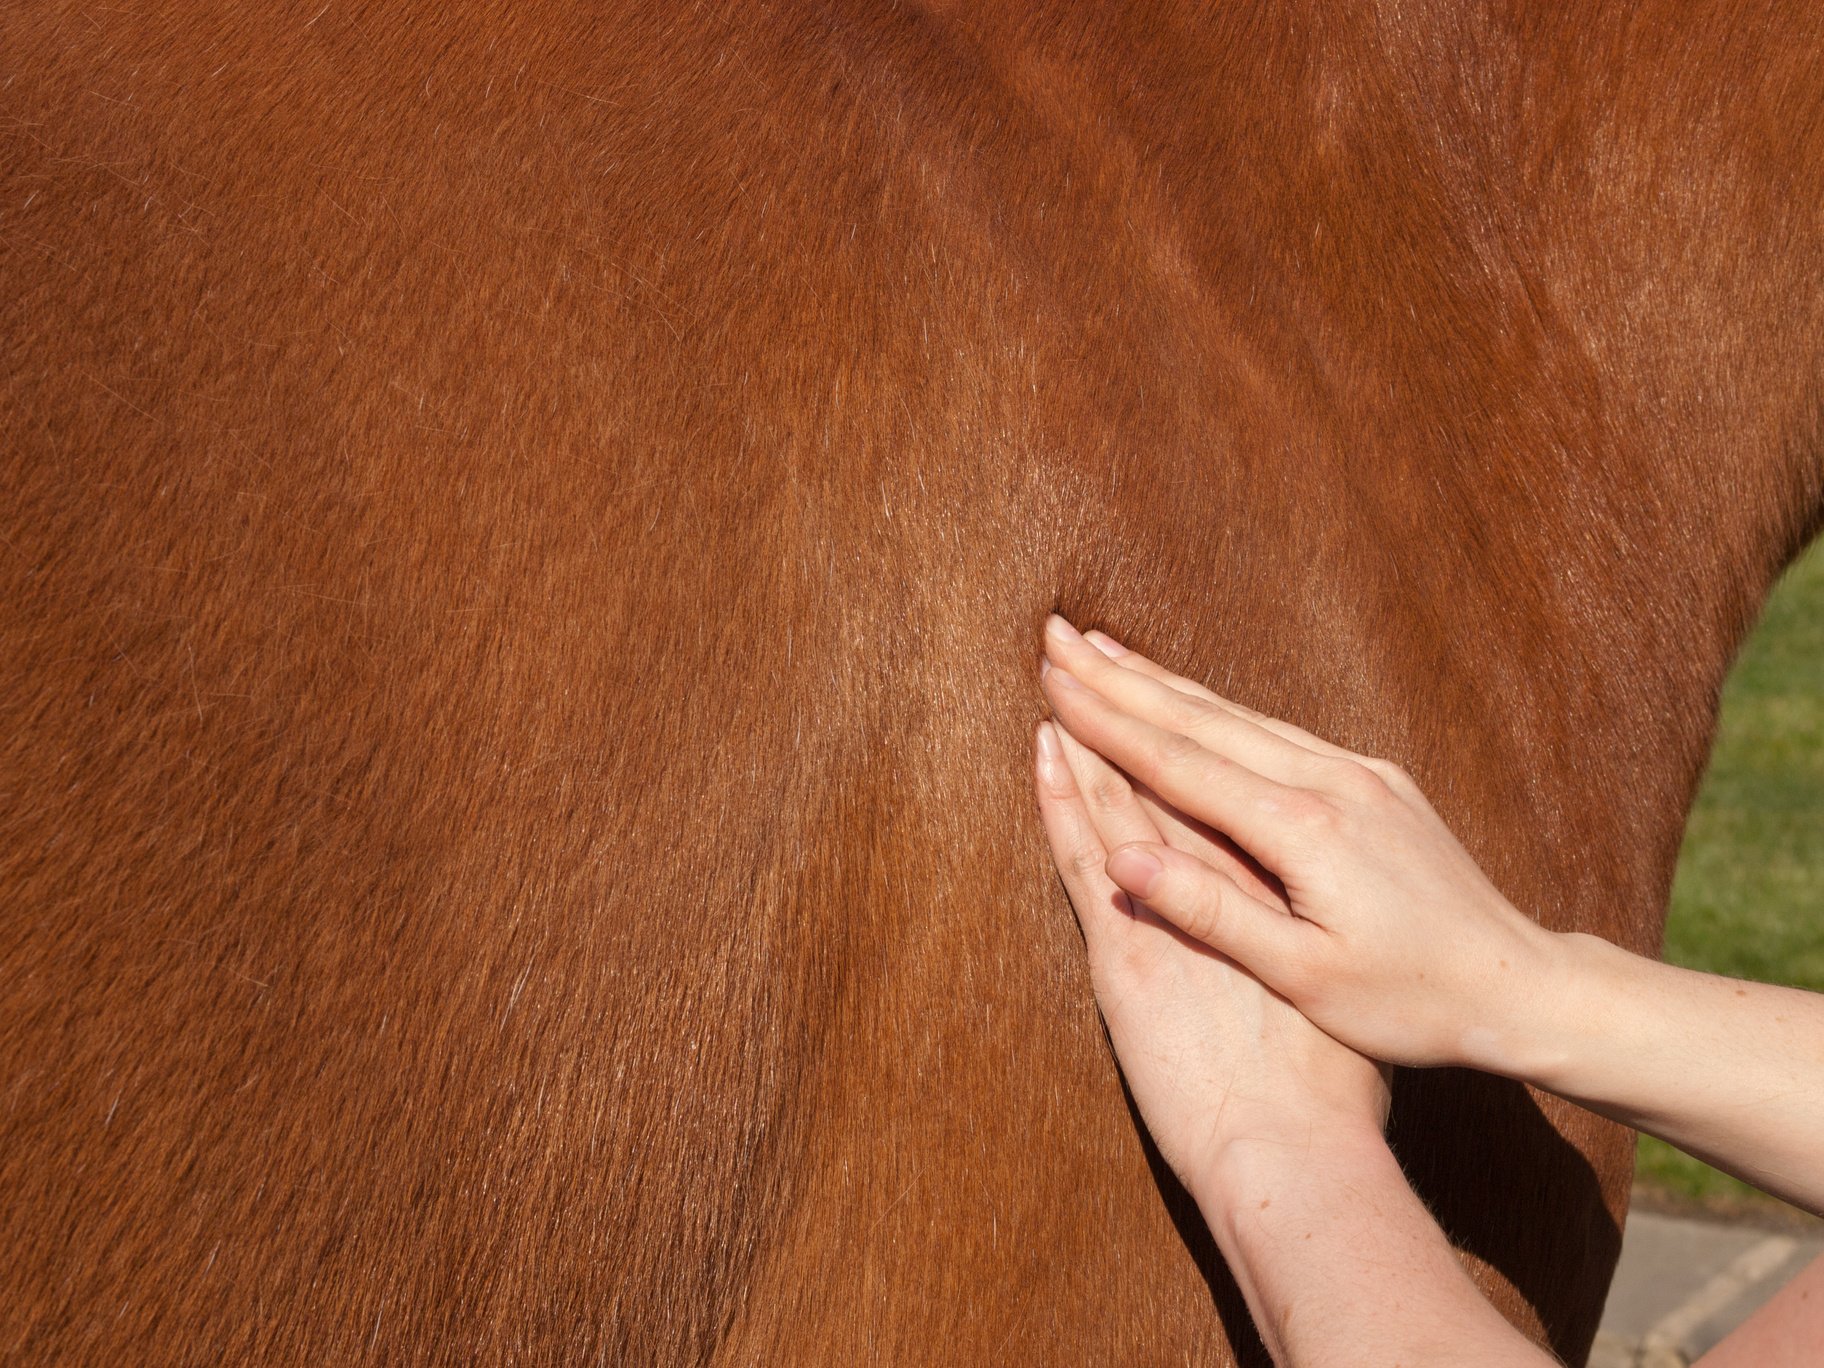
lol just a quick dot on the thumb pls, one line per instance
(1204, 903)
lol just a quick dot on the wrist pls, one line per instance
(1249, 1170)
(1338, 1259)
(1546, 1023)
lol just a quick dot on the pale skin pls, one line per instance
(1249, 1026)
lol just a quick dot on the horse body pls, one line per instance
(526, 539)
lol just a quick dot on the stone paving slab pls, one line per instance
(1682, 1285)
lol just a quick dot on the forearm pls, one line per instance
(1730, 1071)
(1785, 1333)
(1340, 1263)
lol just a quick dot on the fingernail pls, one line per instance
(1135, 870)
(1050, 752)
(1063, 679)
(1106, 644)
(1062, 630)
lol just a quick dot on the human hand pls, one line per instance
(1211, 1056)
(1398, 944)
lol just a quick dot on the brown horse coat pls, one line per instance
(525, 530)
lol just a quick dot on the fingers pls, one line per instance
(1197, 839)
(1115, 810)
(1211, 907)
(1112, 798)
(1133, 660)
(1333, 777)
(1260, 814)
(1211, 721)
(1076, 848)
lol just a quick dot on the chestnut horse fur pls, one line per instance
(525, 530)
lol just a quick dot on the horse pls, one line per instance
(526, 534)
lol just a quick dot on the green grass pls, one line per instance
(1748, 899)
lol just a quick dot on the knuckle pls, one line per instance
(1204, 911)
(1308, 810)
(1357, 780)
(1107, 791)
(1185, 713)
(1177, 750)
(1084, 861)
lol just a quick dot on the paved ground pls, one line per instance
(1682, 1285)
